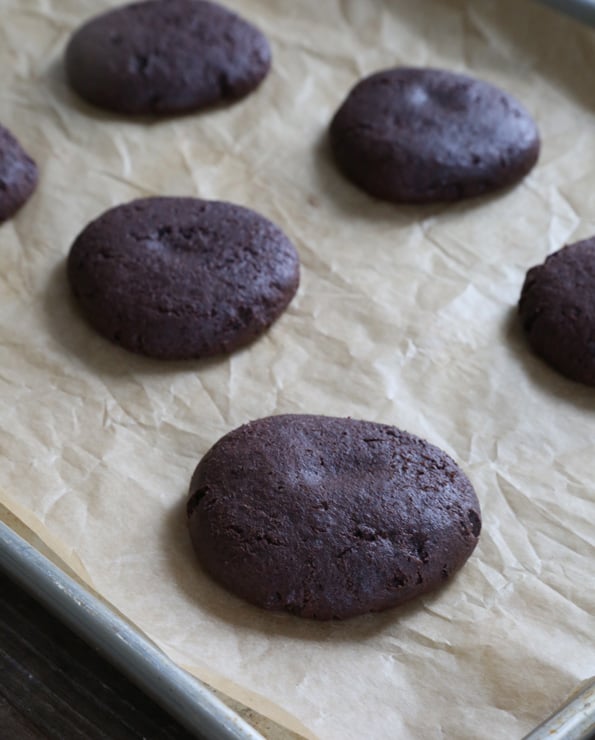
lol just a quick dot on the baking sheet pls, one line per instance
(404, 315)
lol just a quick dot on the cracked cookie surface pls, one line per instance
(182, 278)
(328, 518)
(163, 57)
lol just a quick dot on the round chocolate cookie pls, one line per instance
(179, 278)
(328, 518)
(415, 135)
(18, 175)
(166, 56)
(557, 310)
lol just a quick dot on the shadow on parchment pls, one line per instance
(540, 373)
(79, 339)
(198, 587)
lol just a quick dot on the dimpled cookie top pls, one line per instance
(419, 135)
(181, 278)
(329, 518)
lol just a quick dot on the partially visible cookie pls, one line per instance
(329, 518)
(165, 57)
(180, 278)
(18, 175)
(416, 135)
(557, 310)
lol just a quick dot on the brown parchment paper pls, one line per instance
(404, 315)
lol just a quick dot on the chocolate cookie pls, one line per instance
(18, 175)
(423, 135)
(557, 310)
(180, 278)
(328, 518)
(166, 56)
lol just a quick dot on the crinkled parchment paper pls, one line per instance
(404, 316)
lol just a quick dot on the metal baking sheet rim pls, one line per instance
(184, 697)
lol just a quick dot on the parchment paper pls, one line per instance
(404, 316)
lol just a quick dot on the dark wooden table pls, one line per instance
(53, 685)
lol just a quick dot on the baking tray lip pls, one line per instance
(582, 10)
(183, 696)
